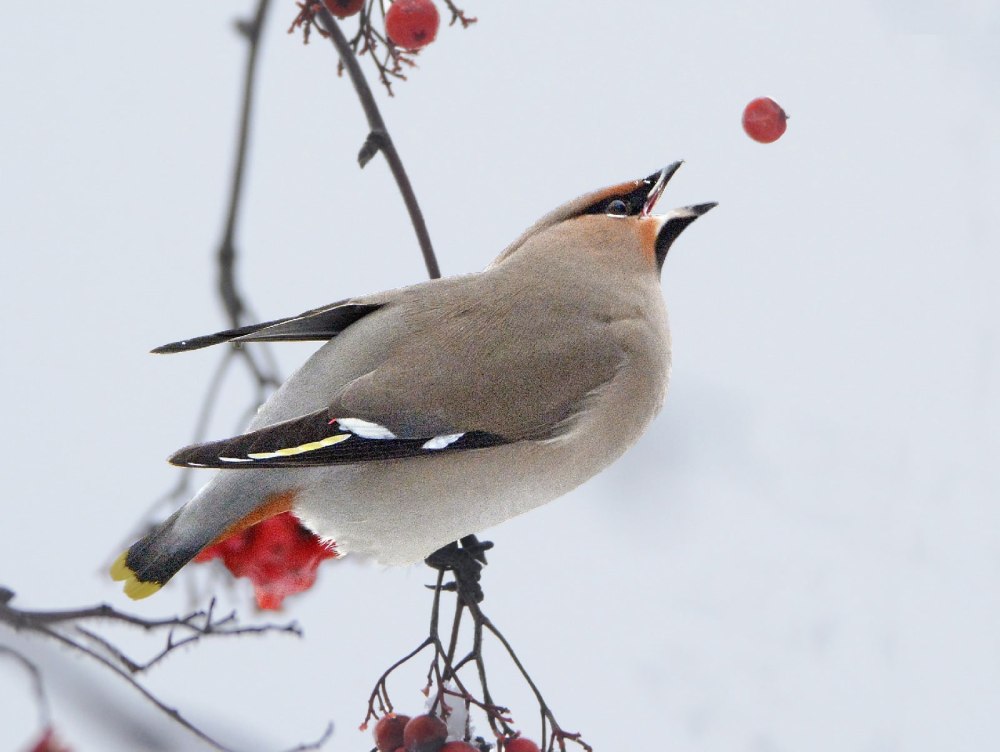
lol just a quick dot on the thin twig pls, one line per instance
(173, 713)
(44, 713)
(307, 747)
(25, 619)
(458, 15)
(231, 298)
(379, 139)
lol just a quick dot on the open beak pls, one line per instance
(658, 181)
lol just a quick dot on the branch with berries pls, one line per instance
(451, 700)
(390, 38)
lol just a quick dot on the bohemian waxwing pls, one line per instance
(438, 410)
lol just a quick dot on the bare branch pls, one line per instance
(202, 622)
(231, 299)
(163, 707)
(193, 627)
(379, 138)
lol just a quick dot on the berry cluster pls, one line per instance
(428, 733)
(410, 24)
(389, 35)
(278, 555)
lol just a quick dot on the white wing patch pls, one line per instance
(365, 428)
(301, 449)
(440, 442)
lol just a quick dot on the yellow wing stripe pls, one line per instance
(312, 446)
(133, 588)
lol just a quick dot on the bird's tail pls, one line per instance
(150, 562)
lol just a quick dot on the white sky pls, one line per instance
(803, 553)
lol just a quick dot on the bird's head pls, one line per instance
(616, 223)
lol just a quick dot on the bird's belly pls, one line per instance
(401, 511)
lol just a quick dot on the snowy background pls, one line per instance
(803, 553)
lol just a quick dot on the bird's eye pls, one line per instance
(617, 208)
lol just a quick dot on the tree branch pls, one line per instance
(379, 139)
(163, 707)
(193, 627)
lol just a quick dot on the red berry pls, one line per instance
(764, 120)
(412, 24)
(424, 733)
(278, 555)
(389, 732)
(520, 744)
(343, 9)
(458, 747)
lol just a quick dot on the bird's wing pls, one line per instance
(502, 355)
(317, 439)
(318, 324)
(456, 367)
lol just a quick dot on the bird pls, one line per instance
(435, 411)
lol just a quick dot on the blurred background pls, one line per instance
(802, 553)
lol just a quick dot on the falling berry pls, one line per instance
(278, 555)
(389, 732)
(344, 8)
(520, 744)
(764, 120)
(425, 733)
(412, 24)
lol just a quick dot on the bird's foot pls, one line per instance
(465, 559)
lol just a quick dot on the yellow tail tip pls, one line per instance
(134, 589)
(138, 590)
(120, 570)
